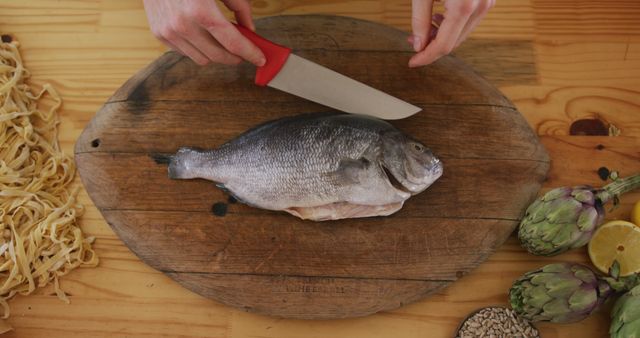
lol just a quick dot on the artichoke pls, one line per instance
(626, 316)
(559, 293)
(566, 218)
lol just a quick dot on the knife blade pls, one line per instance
(296, 75)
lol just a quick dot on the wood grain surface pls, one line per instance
(566, 60)
(272, 263)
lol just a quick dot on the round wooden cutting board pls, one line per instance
(273, 263)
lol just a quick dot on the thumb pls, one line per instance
(421, 22)
(242, 12)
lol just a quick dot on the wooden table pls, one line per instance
(567, 60)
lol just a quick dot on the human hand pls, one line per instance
(199, 30)
(459, 19)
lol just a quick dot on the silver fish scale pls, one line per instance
(294, 164)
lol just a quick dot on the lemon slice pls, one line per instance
(635, 214)
(616, 240)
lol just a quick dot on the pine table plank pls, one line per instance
(586, 61)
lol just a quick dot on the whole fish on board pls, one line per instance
(316, 166)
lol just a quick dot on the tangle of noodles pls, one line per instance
(40, 239)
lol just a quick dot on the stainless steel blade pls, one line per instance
(313, 82)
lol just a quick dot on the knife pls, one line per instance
(298, 76)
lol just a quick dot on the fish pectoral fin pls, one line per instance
(349, 170)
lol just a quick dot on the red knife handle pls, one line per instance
(275, 54)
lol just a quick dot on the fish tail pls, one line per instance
(175, 168)
(186, 163)
(161, 158)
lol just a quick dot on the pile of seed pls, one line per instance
(496, 322)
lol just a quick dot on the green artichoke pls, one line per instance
(559, 293)
(566, 218)
(626, 316)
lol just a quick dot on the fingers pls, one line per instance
(205, 43)
(432, 35)
(421, 22)
(196, 43)
(233, 41)
(168, 44)
(199, 30)
(242, 12)
(186, 48)
(456, 17)
(230, 38)
(482, 10)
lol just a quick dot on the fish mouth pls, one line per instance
(432, 175)
(437, 169)
(394, 181)
(411, 184)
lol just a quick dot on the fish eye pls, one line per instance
(417, 147)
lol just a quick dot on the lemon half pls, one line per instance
(635, 214)
(616, 240)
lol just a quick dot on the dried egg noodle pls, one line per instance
(40, 239)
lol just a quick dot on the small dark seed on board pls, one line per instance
(219, 209)
(604, 173)
(6, 38)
